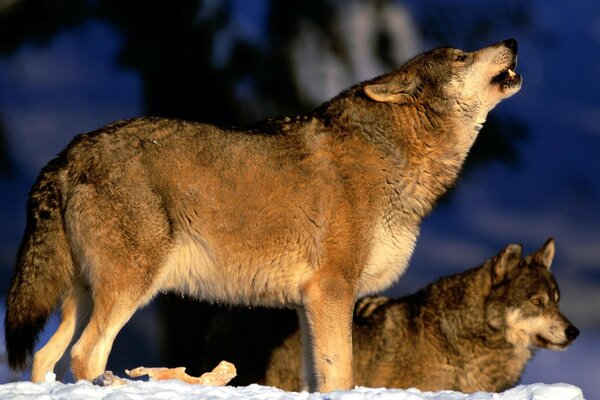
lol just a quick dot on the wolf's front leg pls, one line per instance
(326, 323)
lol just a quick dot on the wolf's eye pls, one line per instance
(460, 58)
(536, 301)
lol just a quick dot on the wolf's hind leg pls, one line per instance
(111, 311)
(74, 314)
(120, 236)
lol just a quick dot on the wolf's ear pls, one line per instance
(394, 91)
(545, 254)
(505, 261)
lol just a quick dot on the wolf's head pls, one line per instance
(448, 79)
(523, 301)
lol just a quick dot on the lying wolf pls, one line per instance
(308, 212)
(468, 332)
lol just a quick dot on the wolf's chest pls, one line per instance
(388, 259)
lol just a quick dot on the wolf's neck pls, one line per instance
(433, 163)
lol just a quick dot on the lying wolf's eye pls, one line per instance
(460, 58)
(536, 301)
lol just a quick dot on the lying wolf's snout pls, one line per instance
(571, 333)
(511, 44)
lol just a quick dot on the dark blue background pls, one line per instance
(49, 93)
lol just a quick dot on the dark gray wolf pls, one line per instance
(308, 212)
(468, 332)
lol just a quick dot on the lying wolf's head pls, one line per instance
(471, 83)
(524, 300)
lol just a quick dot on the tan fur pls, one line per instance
(445, 337)
(307, 212)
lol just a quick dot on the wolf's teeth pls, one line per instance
(511, 73)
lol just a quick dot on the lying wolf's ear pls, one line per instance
(394, 91)
(505, 261)
(545, 254)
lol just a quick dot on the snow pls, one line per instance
(135, 390)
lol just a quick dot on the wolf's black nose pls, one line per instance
(511, 44)
(571, 332)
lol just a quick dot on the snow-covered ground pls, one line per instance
(177, 390)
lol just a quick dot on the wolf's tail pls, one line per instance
(44, 267)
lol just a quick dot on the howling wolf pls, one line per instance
(308, 212)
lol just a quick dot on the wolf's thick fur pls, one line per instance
(308, 212)
(468, 332)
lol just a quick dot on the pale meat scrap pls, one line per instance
(220, 376)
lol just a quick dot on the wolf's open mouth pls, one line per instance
(542, 342)
(508, 78)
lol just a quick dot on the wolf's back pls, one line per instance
(44, 267)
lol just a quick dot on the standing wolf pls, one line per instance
(307, 212)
